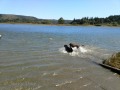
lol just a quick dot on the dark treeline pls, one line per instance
(111, 20)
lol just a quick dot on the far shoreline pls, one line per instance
(64, 24)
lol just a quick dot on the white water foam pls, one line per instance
(83, 50)
(66, 82)
(76, 51)
(87, 52)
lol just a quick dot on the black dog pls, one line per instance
(68, 49)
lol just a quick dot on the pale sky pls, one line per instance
(54, 9)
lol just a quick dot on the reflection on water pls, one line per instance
(32, 57)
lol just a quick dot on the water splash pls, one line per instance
(76, 51)
(83, 50)
(90, 52)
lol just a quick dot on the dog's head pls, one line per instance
(65, 45)
(71, 44)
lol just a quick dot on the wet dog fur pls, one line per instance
(68, 49)
(74, 45)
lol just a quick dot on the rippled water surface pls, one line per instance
(32, 57)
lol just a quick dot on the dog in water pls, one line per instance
(74, 45)
(68, 49)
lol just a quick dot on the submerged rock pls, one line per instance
(113, 61)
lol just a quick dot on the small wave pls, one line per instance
(66, 82)
(54, 74)
(50, 38)
(36, 88)
(85, 85)
(44, 74)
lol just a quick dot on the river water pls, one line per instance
(32, 57)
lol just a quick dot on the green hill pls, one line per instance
(10, 18)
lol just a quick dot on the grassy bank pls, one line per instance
(113, 61)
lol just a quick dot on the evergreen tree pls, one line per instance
(61, 21)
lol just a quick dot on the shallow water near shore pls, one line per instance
(32, 57)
